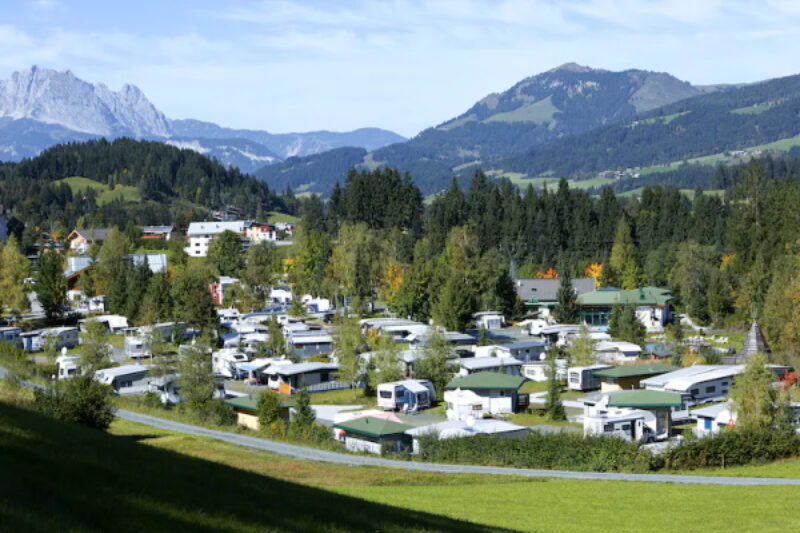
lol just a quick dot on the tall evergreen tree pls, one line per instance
(567, 311)
(51, 287)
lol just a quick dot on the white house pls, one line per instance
(484, 393)
(407, 395)
(525, 351)
(200, 235)
(617, 352)
(456, 429)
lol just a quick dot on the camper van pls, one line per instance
(582, 378)
(67, 366)
(137, 347)
(125, 379)
(408, 395)
(226, 362)
(626, 424)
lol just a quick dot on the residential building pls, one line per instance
(80, 240)
(484, 393)
(200, 235)
(373, 435)
(289, 378)
(456, 429)
(158, 233)
(258, 233)
(540, 295)
(652, 305)
(628, 377)
(217, 289)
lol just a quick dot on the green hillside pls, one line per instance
(105, 194)
(62, 477)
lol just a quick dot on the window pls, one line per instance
(626, 427)
(695, 392)
(608, 427)
(725, 383)
(386, 394)
(711, 389)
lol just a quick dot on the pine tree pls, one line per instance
(553, 406)
(225, 253)
(752, 395)
(623, 325)
(196, 377)
(567, 311)
(268, 409)
(51, 287)
(623, 268)
(304, 416)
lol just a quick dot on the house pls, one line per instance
(541, 295)
(584, 378)
(158, 233)
(456, 429)
(258, 233)
(309, 342)
(526, 351)
(373, 435)
(80, 240)
(125, 379)
(489, 320)
(630, 414)
(11, 335)
(407, 395)
(200, 235)
(617, 352)
(504, 365)
(246, 409)
(630, 376)
(484, 393)
(651, 304)
(217, 289)
(289, 378)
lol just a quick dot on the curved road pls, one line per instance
(313, 454)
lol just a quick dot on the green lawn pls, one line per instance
(533, 386)
(342, 397)
(104, 193)
(275, 217)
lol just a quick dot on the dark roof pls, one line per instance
(370, 426)
(546, 289)
(94, 234)
(626, 371)
(486, 381)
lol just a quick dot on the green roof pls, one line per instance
(627, 371)
(486, 381)
(249, 403)
(643, 399)
(372, 427)
(640, 296)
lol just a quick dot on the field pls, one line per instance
(275, 217)
(104, 193)
(522, 181)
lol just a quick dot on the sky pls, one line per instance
(403, 65)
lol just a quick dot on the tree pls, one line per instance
(454, 307)
(51, 287)
(567, 310)
(110, 268)
(261, 267)
(581, 351)
(752, 395)
(304, 415)
(13, 271)
(349, 346)
(276, 345)
(225, 253)
(434, 362)
(15, 361)
(196, 378)
(192, 300)
(385, 361)
(553, 406)
(156, 305)
(624, 325)
(80, 400)
(268, 409)
(94, 350)
(307, 267)
(623, 268)
(357, 261)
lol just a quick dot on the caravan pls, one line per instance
(582, 378)
(226, 363)
(409, 395)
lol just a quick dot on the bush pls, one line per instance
(80, 399)
(736, 447)
(219, 413)
(312, 433)
(151, 401)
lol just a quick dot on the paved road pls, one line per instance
(313, 454)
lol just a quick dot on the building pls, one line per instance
(540, 370)
(617, 352)
(200, 235)
(158, 233)
(11, 335)
(80, 240)
(373, 435)
(526, 351)
(217, 289)
(584, 378)
(62, 337)
(484, 393)
(78, 265)
(289, 378)
(631, 414)
(125, 379)
(457, 429)
(652, 305)
(489, 320)
(407, 395)
(628, 377)
(258, 233)
(540, 295)
(696, 384)
(310, 342)
(503, 365)
(246, 411)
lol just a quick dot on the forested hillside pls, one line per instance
(171, 185)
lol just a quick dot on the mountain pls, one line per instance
(565, 101)
(41, 107)
(318, 172)
(291, 144)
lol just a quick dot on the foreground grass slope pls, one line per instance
(61, 477)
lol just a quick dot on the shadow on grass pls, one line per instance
(56, 476)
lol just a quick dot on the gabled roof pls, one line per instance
(90, 234)
(486, 381)
(370, 426)
(627, 371)
(644, 399)
(546, 289)
(754, 343)
(212, 228)
(641, 296)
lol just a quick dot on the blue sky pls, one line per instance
(290, 65)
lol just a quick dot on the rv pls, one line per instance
(626, 424)
(582, 378)
(409, 395)
(226, 362)
(11, 335)
(137, 347)
(67, 366)
(125, 379)
(489, 320)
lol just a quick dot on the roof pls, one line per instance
(212, 228)
(156, 262)
(372, 427)
(712, 411)
(627, 371)
(249, 402)
(644, 399)
(521, 345)
(486, 381)
(477, 363)
(414, 385)
(300, 368)
(92, 234)
(685, 378)
(123, 370)
(641, 296)
(659, 349)
(754, 343)
(77, 264)
(459, 428)
(157, 230)
(622, 346)
(546, 289)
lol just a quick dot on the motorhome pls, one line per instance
(67, 366)
(582, 378)
(626, 424)
(408, 395)
(489, 320)
(37, 340)
(125, 379)
(226, 362)
(137, 347)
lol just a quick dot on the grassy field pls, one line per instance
(104, 193)
(275, 217)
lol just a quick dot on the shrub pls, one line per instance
(80, 399)
(729, 448)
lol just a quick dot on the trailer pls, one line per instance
(407, 395)
(226, 362)
(582, 378)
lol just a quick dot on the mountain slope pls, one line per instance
(318, 172)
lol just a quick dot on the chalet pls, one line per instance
(373, 435)
(80, 240)
(484, 393)
(456, 429)
(158, 233)
(627, 377)
(289, 378)
(540, 295)
(652, 305)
